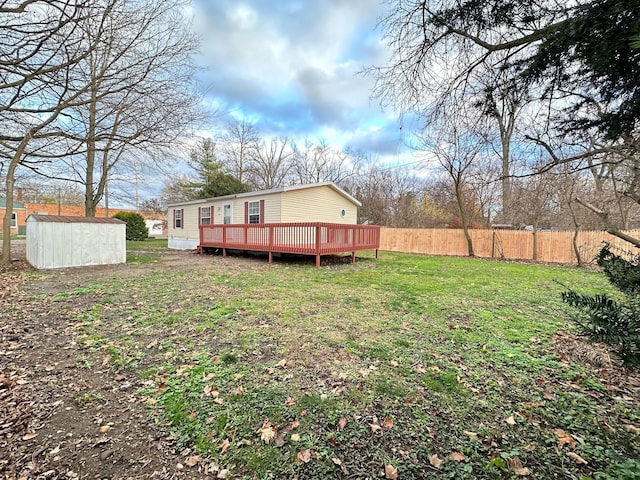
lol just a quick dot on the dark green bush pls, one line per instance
(136, 228)
(616, 323)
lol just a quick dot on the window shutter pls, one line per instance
(199, 216)
(182, 218)
(246, 212)
(212, 214)
(174, 218)
(261, 211)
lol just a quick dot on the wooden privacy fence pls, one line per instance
(552, 247)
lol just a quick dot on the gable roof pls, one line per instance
(3, 203)
(270, 191)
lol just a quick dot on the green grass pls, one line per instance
(420, 356)
(146, 251)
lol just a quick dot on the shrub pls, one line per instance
(136, 228)
(609, 321)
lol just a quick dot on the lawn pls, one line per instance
(403, 367)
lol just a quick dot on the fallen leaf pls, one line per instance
(511, 421)
(420, 369)
(192, 461)
(632, 429)
(105, 428)
(29, 436)
(435, 461)
(387, 423)
(238, 391)
(267, 433)
(289, 402)
(282, 363)
(375, 427)
(457, 456)
(192, 415)
(342, 423)
(394, 363)
(225, 446)
(152, 344)
(390, 472)
(577, 458)
(564, 438)
(295, 437)
(222, 474)
(473, 436)
(303, 456)
(242, 442)
(515, 464)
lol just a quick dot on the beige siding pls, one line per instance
(319, 204)
(272, 204)
(190, 230)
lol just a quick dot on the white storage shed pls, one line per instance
(63, 241)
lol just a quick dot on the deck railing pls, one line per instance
(300, 238)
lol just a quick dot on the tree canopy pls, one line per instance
(581, 52)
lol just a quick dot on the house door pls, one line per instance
(226, 213)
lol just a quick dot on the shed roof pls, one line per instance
(70, 219)
(16, 205)
(289, 188)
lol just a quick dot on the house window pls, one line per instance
(205, 216)
(14, 220)
(226, 213)
(177, 218)
(254, 212)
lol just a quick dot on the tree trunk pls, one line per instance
(9, 186)
(464, 219)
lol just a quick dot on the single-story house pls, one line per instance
(18, 216)
(318, 202)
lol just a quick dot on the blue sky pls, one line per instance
(291, 67)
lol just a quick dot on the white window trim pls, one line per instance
(255, 203)
(177, 217)
(203, 217)
(14, 219)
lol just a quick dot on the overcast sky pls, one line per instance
(291, 67)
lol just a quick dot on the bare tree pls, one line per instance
(457, 147)
(239, 141)
(319, 162)
(40, 46)
(271, 164)
(140, 94)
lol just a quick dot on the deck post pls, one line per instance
(376, 253)
(353, 257)
(270, 257)
(224, 252)
(318, 238)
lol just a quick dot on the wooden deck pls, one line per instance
(298, 238)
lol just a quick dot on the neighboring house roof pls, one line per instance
(70, 219)
(331, 185)
(3, 203)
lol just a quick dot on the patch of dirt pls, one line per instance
(63, 415)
